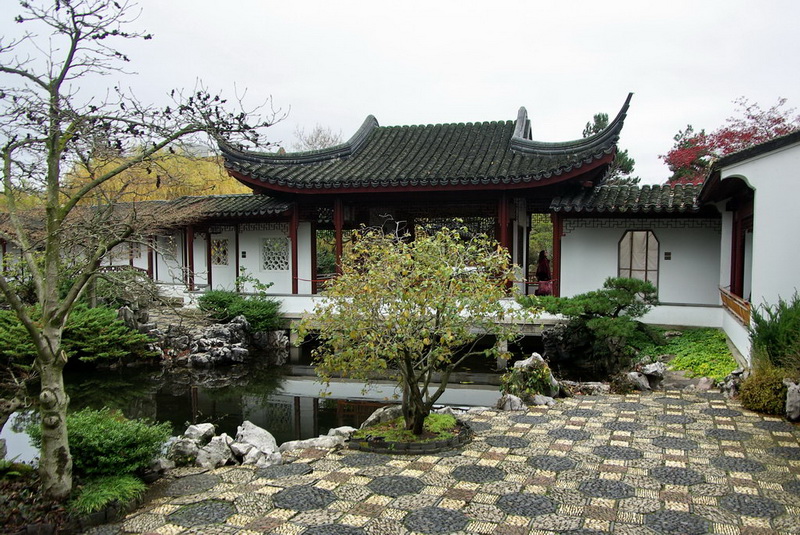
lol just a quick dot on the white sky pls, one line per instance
(335, 62)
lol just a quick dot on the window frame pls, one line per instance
(647, 249)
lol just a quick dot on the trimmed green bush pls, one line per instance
(103, 491)
(764, 391)
(105, 443)
(776, 333)
(598, 339)
(91, 334)
(262, 312)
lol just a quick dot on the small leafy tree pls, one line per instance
(412, 308)
(63, 142)
(692, 154)
(602, 323)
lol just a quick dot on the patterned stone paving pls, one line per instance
(653, 464)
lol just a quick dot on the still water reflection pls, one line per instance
(288, 406)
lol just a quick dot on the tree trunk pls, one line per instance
(55, 462)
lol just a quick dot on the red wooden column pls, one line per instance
(189, 231)
(503, 223)
(313, 257)
(295, 222)
(208, 259)
(558, 231)
(338, 224)
(151, 245)
(236, 253)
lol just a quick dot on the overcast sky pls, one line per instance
(335, 62)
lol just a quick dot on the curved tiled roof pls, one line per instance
(234, 205)
(444, 156)
(681, 198)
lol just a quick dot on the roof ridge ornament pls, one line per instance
(521, 141)
(351, 146)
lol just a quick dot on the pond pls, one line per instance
(286, 401)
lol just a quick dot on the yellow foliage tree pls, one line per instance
(165, 177)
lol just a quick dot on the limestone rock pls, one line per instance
(184, 449)
(253, 456)
(384, 414)
(269, 460)
(161, 465)
(792, 400)
(534, 361)
(345, 431)
(215, 454)
(705, 384)
(543, 400)
(200, 432)
(510, 402)
(262, 439)
(654, 373)
(638, 380)
(241, 449)
(321, 442)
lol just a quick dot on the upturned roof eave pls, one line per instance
(458, 184)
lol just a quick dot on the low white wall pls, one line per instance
(737, 334)
(685, 316)
(589, 255)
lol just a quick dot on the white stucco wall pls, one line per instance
(776, 255)
(589, 255)
(168, 258)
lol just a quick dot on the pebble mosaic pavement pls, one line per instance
(652, 464)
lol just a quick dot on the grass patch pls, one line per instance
(103, 491)
(698, 352)
(436, 427)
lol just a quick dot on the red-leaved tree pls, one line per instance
(692, 154)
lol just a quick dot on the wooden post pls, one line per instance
(150, 263)
(313, 257)
(208, 259)
(555, 272)
(190, 256)
(236, 254)
(338, 223)
(295, 222)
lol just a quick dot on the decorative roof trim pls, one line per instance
(351, 146)
(521, 140)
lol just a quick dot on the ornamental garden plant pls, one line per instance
(413, 310)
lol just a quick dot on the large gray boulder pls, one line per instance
(654, 373)
(200, 432)
(249, 433)
(382, 415)
(216, 453)
(321, 442)
(184, 450)
(638, 380)
(510, 402)
(792, 400)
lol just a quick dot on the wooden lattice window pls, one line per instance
(275, 254)
(219, 252)
(638, 256)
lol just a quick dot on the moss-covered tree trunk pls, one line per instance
(55, 464)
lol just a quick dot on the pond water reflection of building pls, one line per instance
(289, 407)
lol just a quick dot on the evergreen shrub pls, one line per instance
(262, 312)
(105, 443)
(764, 390)
(776, 333)
(100, 492)
(91, 334)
